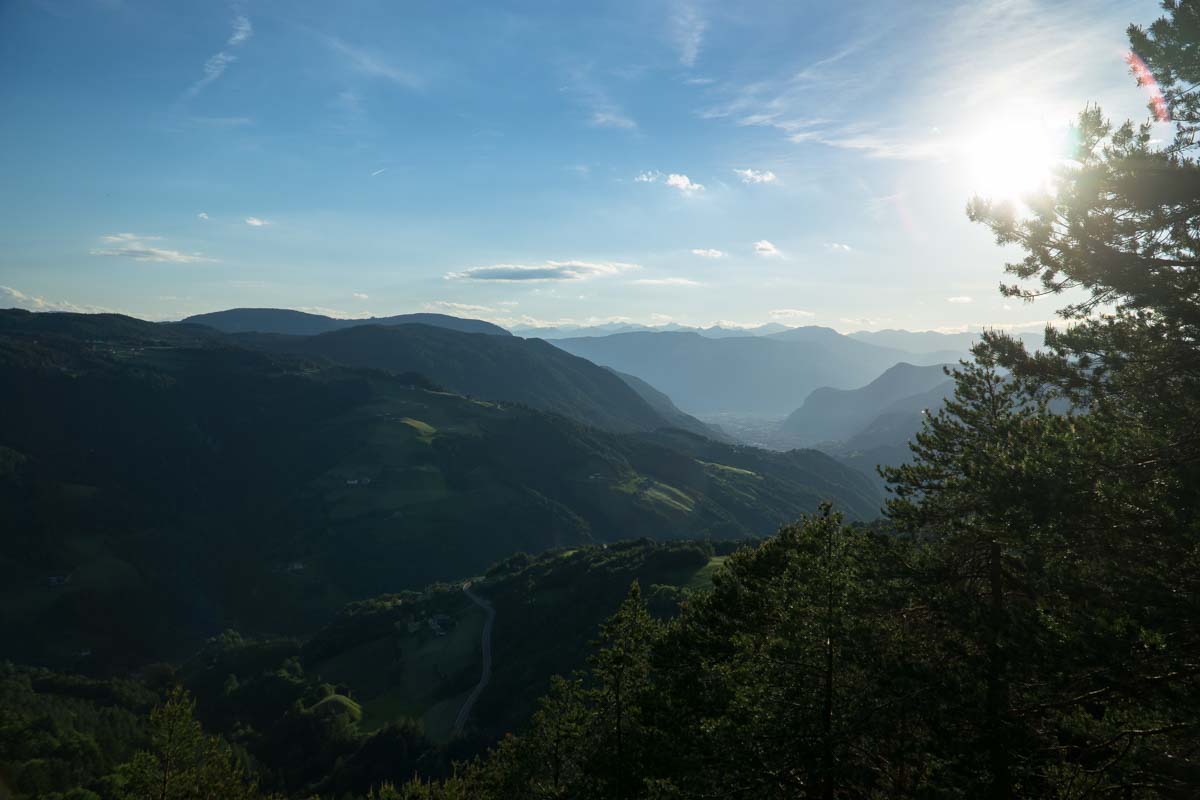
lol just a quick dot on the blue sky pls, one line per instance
(536, 163)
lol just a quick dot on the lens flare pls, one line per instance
(1145, 79)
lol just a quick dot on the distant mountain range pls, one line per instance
(770, 374)
(609, 328)
(885, 437)
(300, 323)
(921, 342)
(871, 426)
(932, 341)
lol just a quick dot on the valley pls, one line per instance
(190, 458)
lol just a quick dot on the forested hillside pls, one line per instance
(369, 698)
(503, 368)
(834, 415)
(162, 484)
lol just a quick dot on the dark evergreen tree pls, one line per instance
(1123, 223)
(183, 763)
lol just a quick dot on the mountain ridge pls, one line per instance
(832, 415)
(302, 323)
(497, 368)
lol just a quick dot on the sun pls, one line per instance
(1009, 160)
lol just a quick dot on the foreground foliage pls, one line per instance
(319, 717)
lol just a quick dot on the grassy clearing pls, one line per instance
(655, 493)
(407, 487)
(702, 578)
(709, 465)
(423, 429)
(399, 675)
(669, 496)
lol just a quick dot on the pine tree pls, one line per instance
(183, 763)
(621, 673)
(1123, 224)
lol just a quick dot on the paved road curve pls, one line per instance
(485, 644)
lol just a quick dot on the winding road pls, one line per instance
(485, 644)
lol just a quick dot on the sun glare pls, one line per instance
(1011, 160)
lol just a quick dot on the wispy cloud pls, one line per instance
(133, 246)
(708, 252)
(255, 222)
(525, 321)
(686, 27)
(602, 110)
(961, 299)
(378, 172)
(863, 323)
(1031, 58)
(678, 181)
(756, 176)
(684, 184)
(893, 143)
(217, 63)
(336, 313)
(202, 215)
(361, 296)
(549, 271)
(612, 118)
(790, 313)
(838, 247)
(372, 64)
(14, 298)
(666, 282)
(730, 323)
(242, 30)
(451, 307)
(765, 248)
